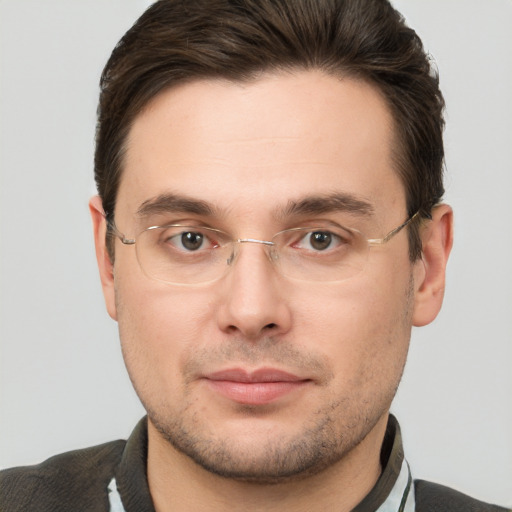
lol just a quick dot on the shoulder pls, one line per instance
(431, 497)
(74, 480)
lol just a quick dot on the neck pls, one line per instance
(177, 483)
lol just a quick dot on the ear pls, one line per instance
(105, 266)
(430, 270)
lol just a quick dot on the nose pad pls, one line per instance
(272, 254)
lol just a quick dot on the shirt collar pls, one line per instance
(389, 488)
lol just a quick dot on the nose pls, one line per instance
(253, 303)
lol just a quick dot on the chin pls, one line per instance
(265, 455)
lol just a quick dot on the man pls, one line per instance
(269, 227)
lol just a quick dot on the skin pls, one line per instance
(248, 150)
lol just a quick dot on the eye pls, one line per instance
(187, 239)
(319, 240)
(191, 241)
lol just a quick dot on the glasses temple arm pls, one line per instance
(392, 233)
(112, 229)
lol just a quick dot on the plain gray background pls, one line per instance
(63, 383)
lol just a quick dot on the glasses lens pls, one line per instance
(183, 254)
(321, 254)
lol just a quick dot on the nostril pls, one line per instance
(270, 326)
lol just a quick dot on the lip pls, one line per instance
(258, 387)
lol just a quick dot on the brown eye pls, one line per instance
(320, 240)
(192, 241)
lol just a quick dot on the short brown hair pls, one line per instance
(177, 41)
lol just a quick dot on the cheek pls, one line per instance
(158, 327)
(362, 326)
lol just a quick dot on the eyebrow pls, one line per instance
(169, 203)
(329, 203)
(309, 205)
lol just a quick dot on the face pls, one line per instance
(257, 376)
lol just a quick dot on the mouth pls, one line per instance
(258, 387)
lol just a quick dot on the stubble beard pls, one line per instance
(324, 438)
(272, 461)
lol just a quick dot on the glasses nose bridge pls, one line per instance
(240, 241)
(254, 241)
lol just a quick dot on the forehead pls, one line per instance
(252, 147)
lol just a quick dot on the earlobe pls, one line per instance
(430, 271)
(105, 265)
